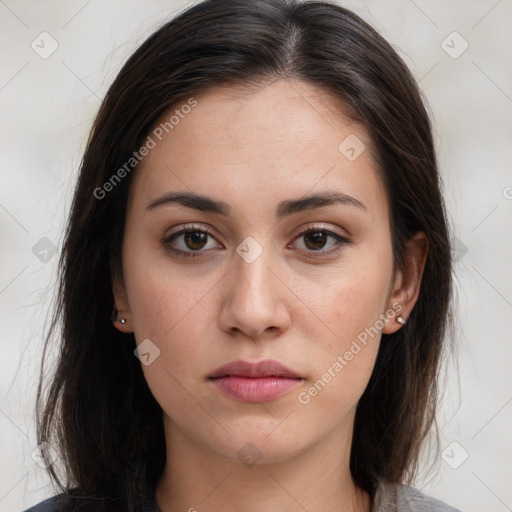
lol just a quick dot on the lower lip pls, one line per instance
(250, 389)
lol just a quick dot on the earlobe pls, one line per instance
(121, 323)
(407, 283)
(121, 319)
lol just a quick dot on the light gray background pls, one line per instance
(47, 106)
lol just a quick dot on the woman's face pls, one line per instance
(255, 287)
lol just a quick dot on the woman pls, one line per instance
(256, 274)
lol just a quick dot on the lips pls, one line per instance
(254, 382)
(266, 368)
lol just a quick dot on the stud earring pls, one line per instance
(114, 317)
(400, 319)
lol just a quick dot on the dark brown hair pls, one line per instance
(98, 411)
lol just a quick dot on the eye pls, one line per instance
(189, 241)
(316, 238)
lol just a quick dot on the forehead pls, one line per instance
(277, 141)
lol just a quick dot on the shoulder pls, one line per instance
(419, 502)
(74, 502)
(66, 502)
(53, 504)
(50, 504)
(392, 497)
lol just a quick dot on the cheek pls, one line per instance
(168, 306)
(159, 294)
(169, 310)
(353, 306)
(353, 296)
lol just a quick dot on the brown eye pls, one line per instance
(315, 240)
(189, 242)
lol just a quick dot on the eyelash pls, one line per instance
(340, 241)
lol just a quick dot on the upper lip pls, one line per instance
(265, 368)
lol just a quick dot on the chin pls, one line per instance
(257, 447)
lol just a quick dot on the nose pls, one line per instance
(254, 300)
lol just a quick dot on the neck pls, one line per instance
(317, 480)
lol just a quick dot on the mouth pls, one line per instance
(254, 382)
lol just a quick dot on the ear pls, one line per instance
(121, 308)
(407, 282)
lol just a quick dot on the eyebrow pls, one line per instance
(284, 208)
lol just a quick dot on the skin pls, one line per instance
(253, 150)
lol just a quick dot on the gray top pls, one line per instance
(388, 498)
(402, 498)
